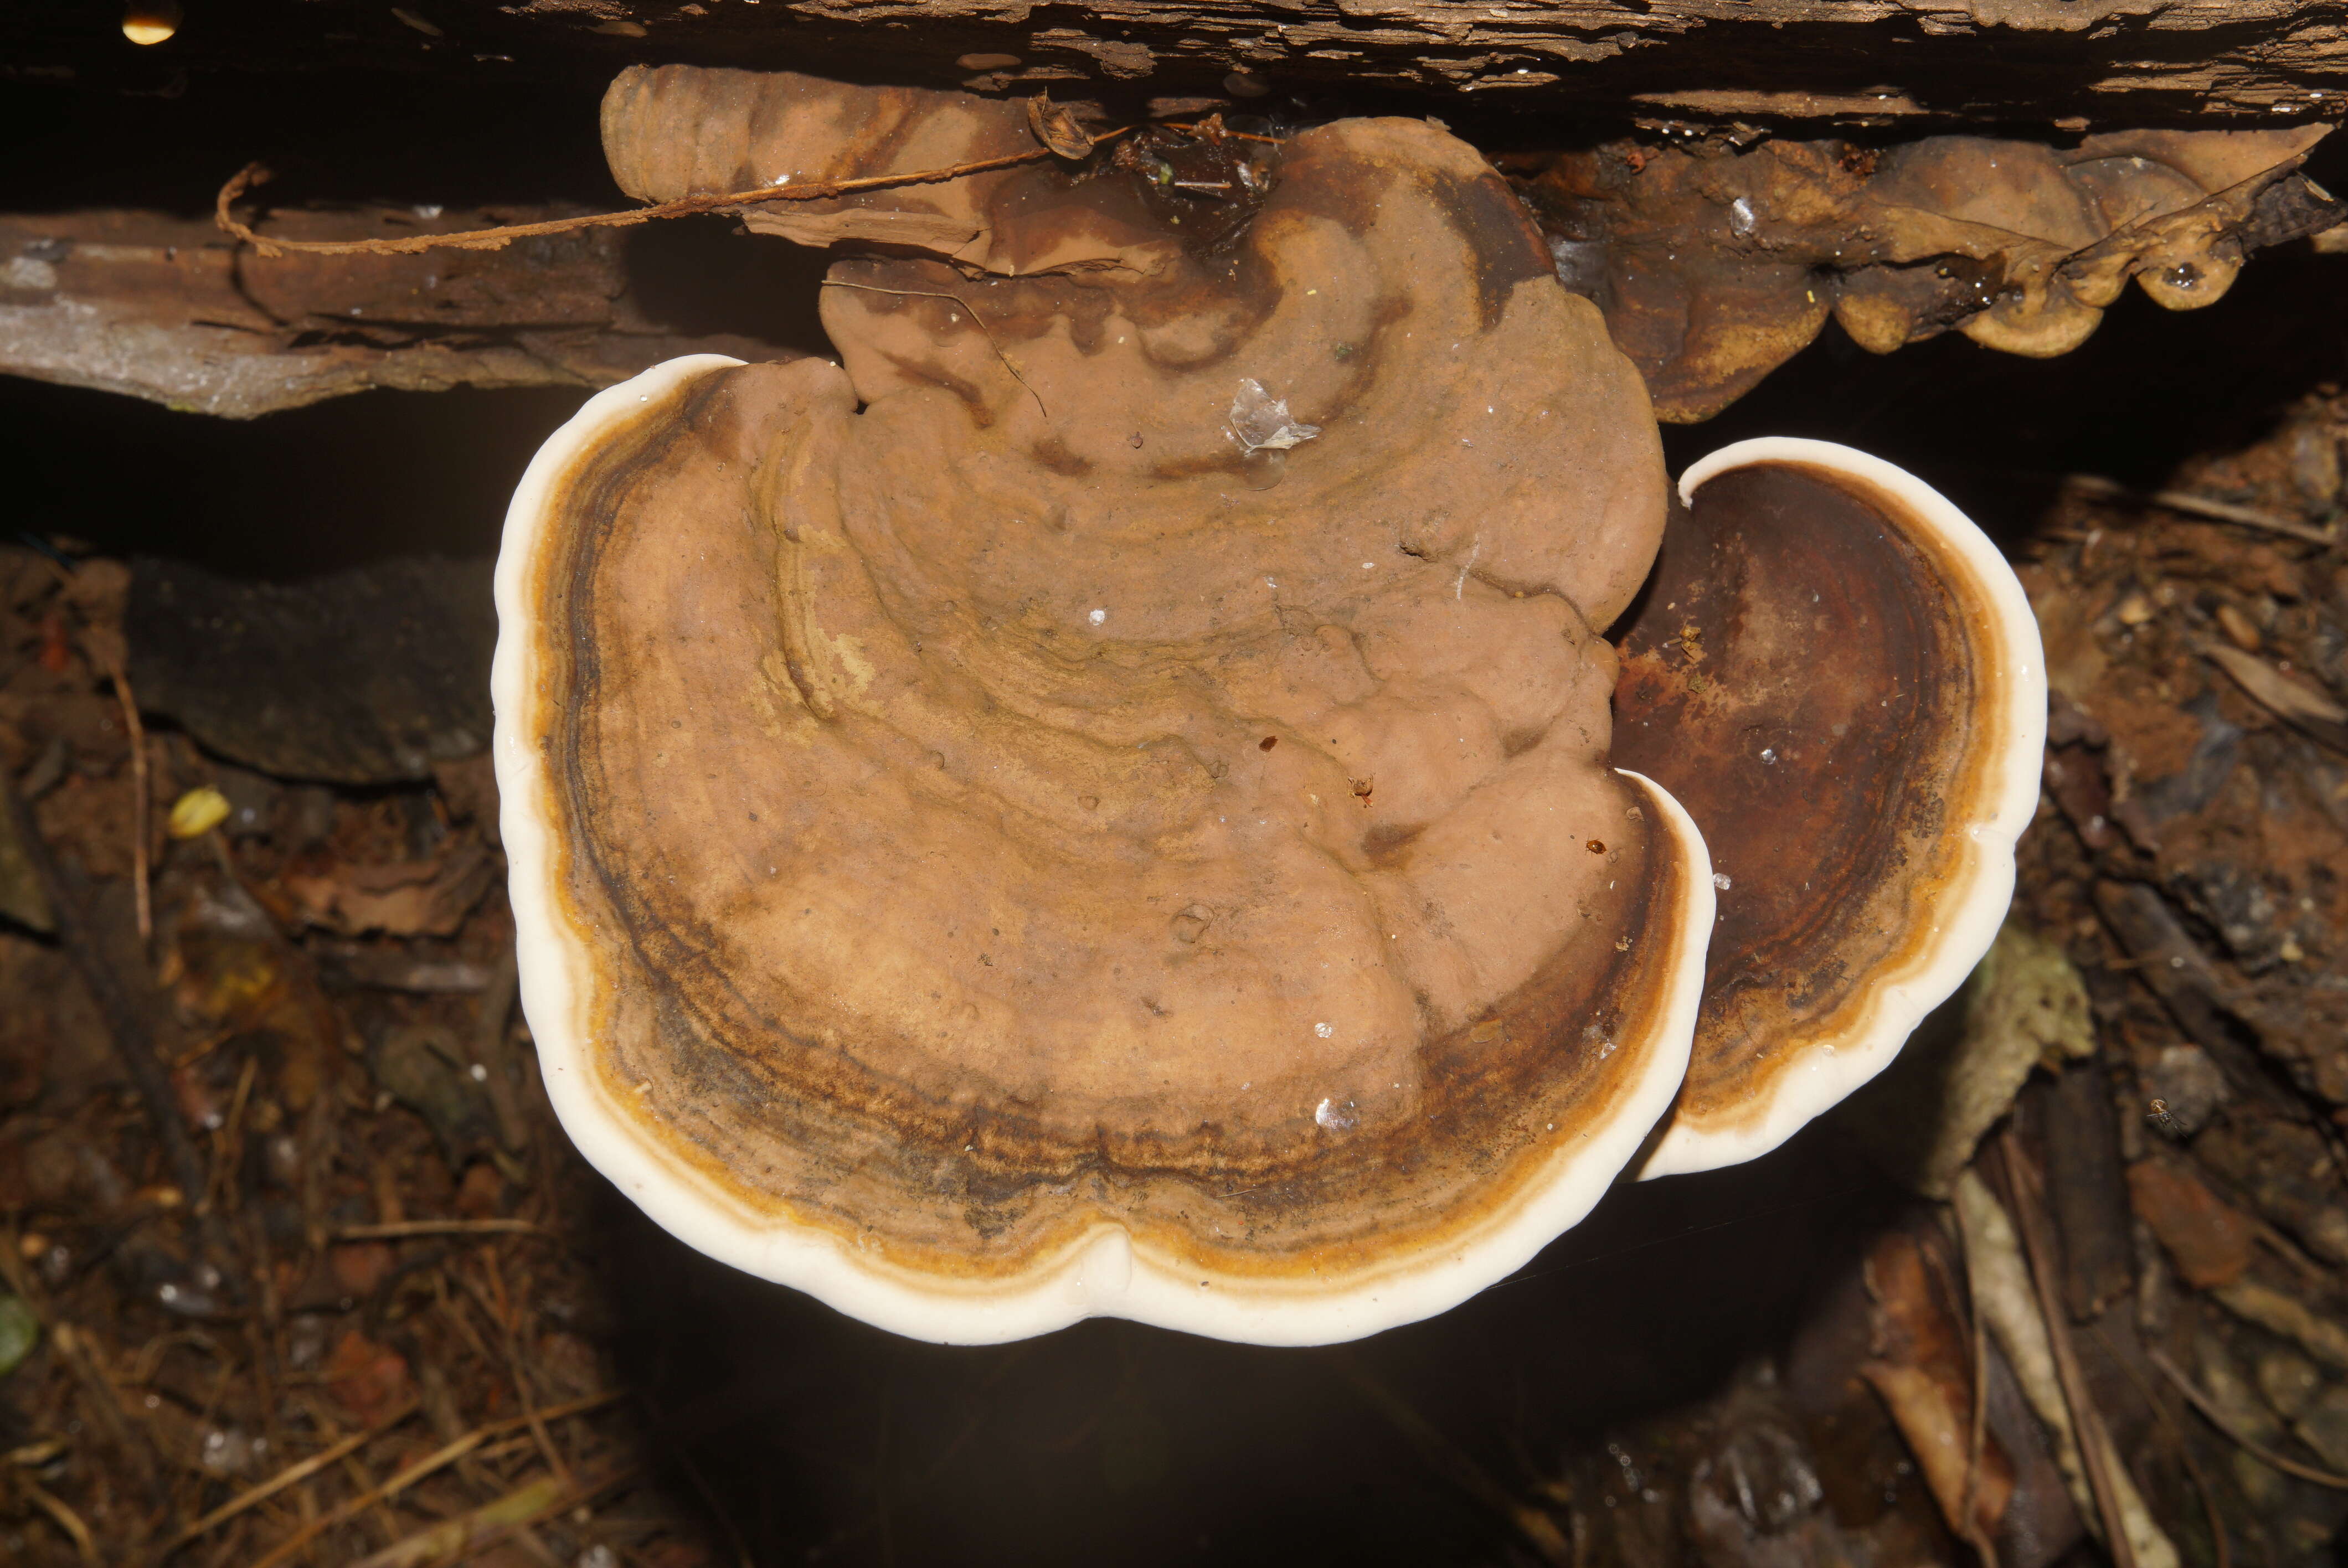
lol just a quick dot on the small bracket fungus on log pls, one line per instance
(1715, 263)
(1102, 801)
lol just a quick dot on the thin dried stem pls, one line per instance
(64, 1516)
(490, 1049)
(466, 1536)
(2195, 506)
(253, 175)
(507, 1318)
(291, 1474)
(228, 1143)
(2218, 1546)
(439, 1458)
(1978, 1439)
(1456, 1465)
(141, 894)
(965, 304)
(2094, 1444)
(2250, 1445)
(400, 1230)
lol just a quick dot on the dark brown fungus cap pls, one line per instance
(1837, 674)
(1100, 802)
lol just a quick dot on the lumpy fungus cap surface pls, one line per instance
(1101, 801)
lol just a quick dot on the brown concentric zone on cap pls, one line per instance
(1809, 672)
(742, 1090)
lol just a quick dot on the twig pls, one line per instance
(1447, 1460)
(2275, 1242)
(356, 1471)
(203, 1049)
(134, 1445)
(438, 1459)
(680, 1454)
(228, 1143)
(457, 1540)
(2203, 507)
(2224, 1553)
(66, 1519)
(252, 175)
(490, 1050)
(138, 807)
(2250, 1445)
(507, 1317)
(2218, 1548)
(301, 1471)
(965, 304)
(2313, 713)
(397, 1230)
(126, 1029)
(2094, 1444)
(1980, 1435)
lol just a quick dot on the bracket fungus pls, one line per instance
(1839, 676)
(1103, 801)
(1715, 262)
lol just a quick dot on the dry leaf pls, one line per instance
(404, 898)
(1923, 1372)
(2299, 704)
(1055, 127)
(2210, 1243)
(365, 1379)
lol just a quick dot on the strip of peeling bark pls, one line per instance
(168, 309)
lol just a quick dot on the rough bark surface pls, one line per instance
(2072, 62)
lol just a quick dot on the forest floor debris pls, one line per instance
(363, 1315)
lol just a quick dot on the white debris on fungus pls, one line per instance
(1261, 422)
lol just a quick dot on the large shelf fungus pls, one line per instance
(1102, 802)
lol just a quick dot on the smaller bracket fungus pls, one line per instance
(1838, 674)
(1103, 801)
(1715, 264)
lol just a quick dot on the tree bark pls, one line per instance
(2072, 64)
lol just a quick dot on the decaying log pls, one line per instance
(1930, 63)
(1715, 256)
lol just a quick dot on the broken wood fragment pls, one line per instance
(166, 309)
(2086, 1193)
